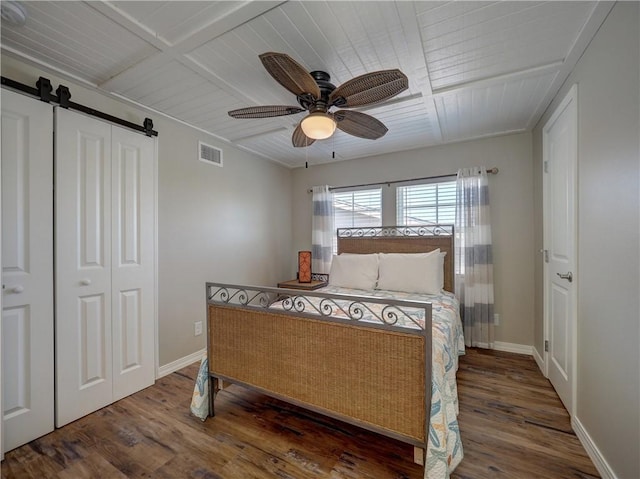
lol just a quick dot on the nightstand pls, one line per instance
(295, 284)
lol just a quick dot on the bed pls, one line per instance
(384, 360)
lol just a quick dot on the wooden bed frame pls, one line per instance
(376, 375)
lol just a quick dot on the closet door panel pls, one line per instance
(133, 256)
(83, 266)
(27, 269)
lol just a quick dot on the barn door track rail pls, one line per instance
(44, 89)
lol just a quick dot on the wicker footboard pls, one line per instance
(373, 375)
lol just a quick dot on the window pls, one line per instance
(427, 203)
(357, 208)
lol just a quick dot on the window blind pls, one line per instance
(426, 203)
(356, 209)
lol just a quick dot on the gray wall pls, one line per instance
(511, 193)
(230, 224)
(608, 381)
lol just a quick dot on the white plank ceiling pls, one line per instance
(475, 69)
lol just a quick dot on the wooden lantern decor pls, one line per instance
(304, 266)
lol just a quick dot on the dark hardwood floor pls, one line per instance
(512, 425)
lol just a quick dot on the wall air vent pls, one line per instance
(209, 154)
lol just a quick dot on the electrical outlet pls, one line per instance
(197, 328)
(496, 319)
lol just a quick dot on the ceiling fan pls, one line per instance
(317, 95)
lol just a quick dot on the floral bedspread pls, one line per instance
(444, 451)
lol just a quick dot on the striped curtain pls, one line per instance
(474, 259)
(322, 230)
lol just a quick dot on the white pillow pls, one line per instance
(442, 254)
(357, 271)
(410, 273)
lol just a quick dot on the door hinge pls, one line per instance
(546, 255)
(546, 345)
(546, 166)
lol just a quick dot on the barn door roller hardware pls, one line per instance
(62, 97)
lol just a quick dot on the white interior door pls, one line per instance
(133, 267)
(560, 164)
(27, 269)
(83, 266)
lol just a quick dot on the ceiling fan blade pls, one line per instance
(359, 124)
(369, 88)
(299, 139)
(290, 74)
(265, 111)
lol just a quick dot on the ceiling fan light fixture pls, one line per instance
(318, 125)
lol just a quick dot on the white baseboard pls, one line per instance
(539, 360)
(178, 364)
(594, 453)
(513, 348)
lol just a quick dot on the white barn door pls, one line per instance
(27, 269)
(105, 272)
(83, 266)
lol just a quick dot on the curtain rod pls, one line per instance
(491, 171)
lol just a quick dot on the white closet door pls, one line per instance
(133, 276)
(83, 266)
(27, 269)
(105, 270)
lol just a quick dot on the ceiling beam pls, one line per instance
(500, 79)
(409, 19)
(167, 52)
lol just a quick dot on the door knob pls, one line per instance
(85, 282)
(17, 289)
(568, 276)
